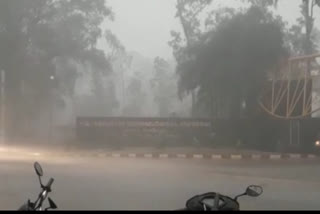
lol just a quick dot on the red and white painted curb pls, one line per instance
(193, 156)
(166, 155)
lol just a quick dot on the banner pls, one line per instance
(142, 129)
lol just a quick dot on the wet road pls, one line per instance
(133, 184)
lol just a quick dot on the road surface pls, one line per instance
(135, 184)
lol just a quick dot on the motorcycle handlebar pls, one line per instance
(43, 195)
(50, 182)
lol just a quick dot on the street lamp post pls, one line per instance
(52, 78)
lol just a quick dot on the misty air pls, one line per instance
(181, 105)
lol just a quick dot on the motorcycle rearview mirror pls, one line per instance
(52, 205)
(38, 169)
(254, 191)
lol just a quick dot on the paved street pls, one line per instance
(131, 184)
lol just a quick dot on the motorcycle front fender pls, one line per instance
(26, 207)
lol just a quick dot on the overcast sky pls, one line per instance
(144, 25)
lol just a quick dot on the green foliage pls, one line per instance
(227, 61)
(188, 14)
(230, 63)
(37, 37)
(306, 21)
(262, 4)
(135, 97)
(117, 50)
(164, 87)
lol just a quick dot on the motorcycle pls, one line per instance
(213, 201)
(46, 189)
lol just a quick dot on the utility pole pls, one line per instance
(51, 103)
(3, 106)
(123, 89)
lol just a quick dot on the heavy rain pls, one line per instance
(159, 105)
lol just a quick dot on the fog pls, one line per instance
(141, 99)
(118, 76)
(146, 37)
(139, 33)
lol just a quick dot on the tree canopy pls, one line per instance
(164, 87)
(36, 36)
(230, 63)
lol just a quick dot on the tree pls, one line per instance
(101, 100)
(38, 35)
(307, 11)
(116, 48)
(263, 4)
(301, 36)
(121, 64)
(232, 61)
(187, 12)
(164, 87)
(135, 98)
